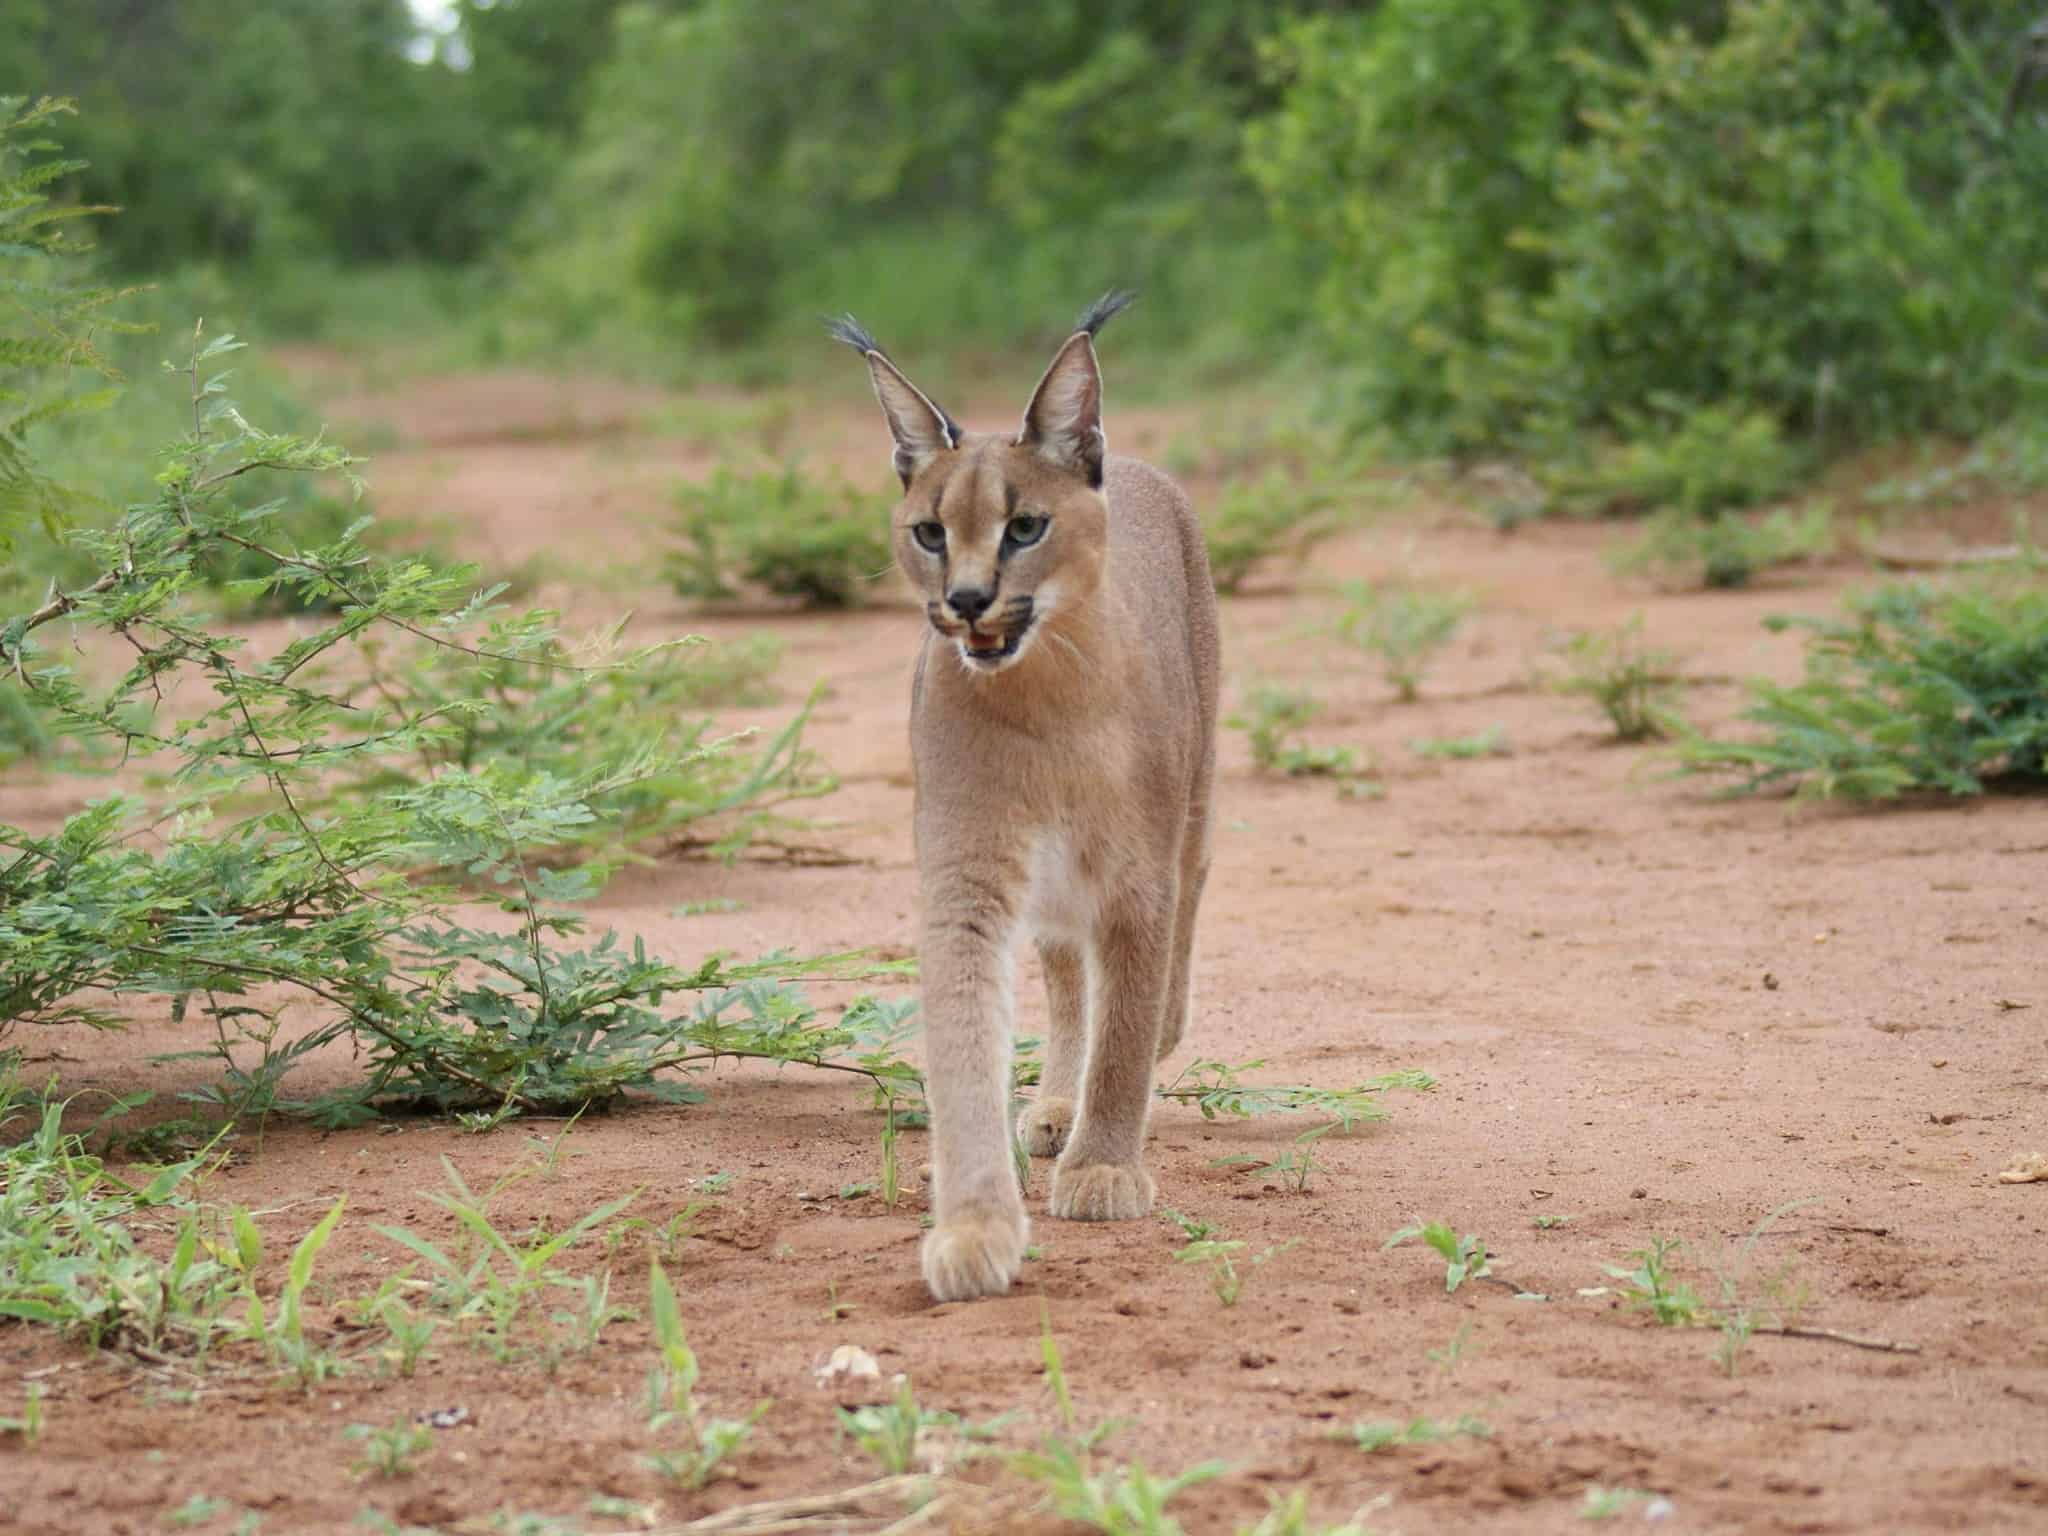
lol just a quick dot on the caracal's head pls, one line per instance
(1003, 534)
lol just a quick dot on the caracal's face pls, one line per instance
(1001, 545)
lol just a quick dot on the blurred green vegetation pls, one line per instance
(1588, 236)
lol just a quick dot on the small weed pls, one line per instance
(1225, 1278)
(1491, 742)
(1055, 1369)
(491, 1277)
(590, 1316)
(1218, 1088)
(1385, 1434)
(1190, 1228)
(1405, 627)
(1549, 1223)
(668, 1239)
(1647, 1285)
(835, 1309)
(29, 1424)
(1123, 1501)
(1464, 1257)
(892, 1171)
(1271, 717)
(632, 1512)
(283, 1332)
(68, 1257)
(1452, 1355)
(408, 1333)
(1295, 1166)
(1606, 1503)
(200, 1509)
(717, 1183)
(392, 1451)
(549, 1151)
(1630, 685)
(708, 1443)
(1777, 1296)
(1290, 1517)
(899, 1433)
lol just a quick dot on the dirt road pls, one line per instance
(1650, 1013)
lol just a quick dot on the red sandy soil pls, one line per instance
(1649, 1011)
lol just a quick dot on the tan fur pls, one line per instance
(1062, 792)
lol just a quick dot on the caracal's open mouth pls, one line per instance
(992, 648)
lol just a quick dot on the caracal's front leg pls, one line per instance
(1048, 1120)
(1101, 1176)
(979, 1229)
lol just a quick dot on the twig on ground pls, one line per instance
(1835, 1336)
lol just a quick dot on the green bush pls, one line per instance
(1539, 216)
(781, 531)
(48, 321)
(1278, 517)
(1698, 462)
(1800, 214)
(1726, 549)
(288, 865)
(1916, 690)
(1415, 150)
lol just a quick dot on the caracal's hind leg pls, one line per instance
(1101, 1175)
(1194, 875)
(1048, 1120)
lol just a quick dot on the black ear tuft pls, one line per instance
(1101, 312)
(853, 333)
(918, 424)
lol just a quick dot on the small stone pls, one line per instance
(1252, 1360)
(849, 1362)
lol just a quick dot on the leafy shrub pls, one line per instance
(1538, 215)
(1632, 686)
(1793, 214)
(1404, 626)
(782, 531)
(1279, 516)
(1700, 462)
(47, 321)
(1416, 147)
(293, 864)
(551, 716)
(1727, 549)
(1916, 690)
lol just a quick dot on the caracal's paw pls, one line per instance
(977, 1253)
(1044, 1126)
(1101, 1191)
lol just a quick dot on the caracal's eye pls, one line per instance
(930, 535)
(1026, 530)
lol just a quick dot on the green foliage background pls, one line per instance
(1521, 224)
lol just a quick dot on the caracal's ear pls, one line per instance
(1064, 420)
(920, 428)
